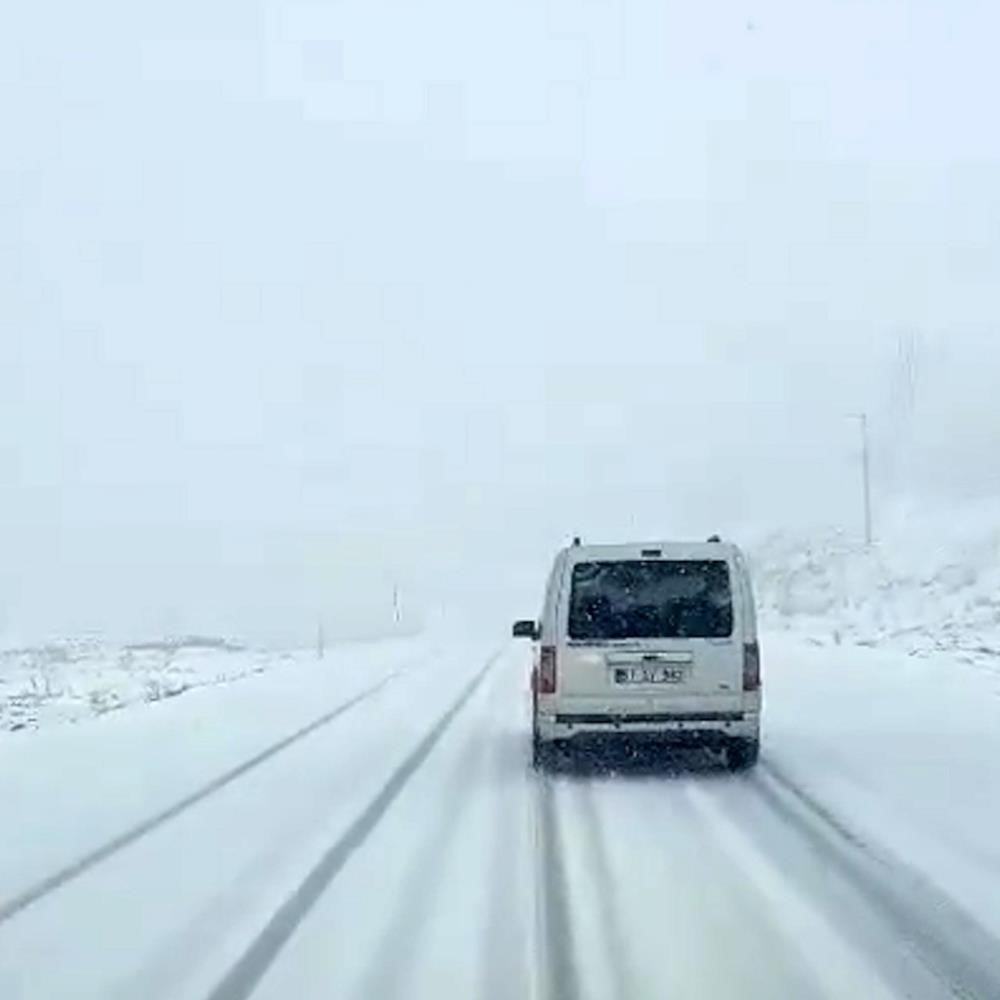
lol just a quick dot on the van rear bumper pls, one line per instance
(696, 728)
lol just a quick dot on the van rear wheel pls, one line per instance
(742, 755)
(544, 754)
(537, 754)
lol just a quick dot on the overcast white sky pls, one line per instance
(301, 299)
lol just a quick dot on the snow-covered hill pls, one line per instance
(931, 582)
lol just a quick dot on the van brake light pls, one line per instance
(547, 670)
(751, 666)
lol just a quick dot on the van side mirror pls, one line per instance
(525, 630)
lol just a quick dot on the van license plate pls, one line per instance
(649, 675)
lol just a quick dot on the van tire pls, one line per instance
(541, 759)
(544, 755)
(742, 755)
(536, 755)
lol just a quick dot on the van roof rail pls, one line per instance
(714, 538)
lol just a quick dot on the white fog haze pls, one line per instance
(301, 303)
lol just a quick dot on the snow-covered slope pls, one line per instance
(930, 583)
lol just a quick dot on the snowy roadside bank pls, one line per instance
(929, 585)
(75, 680)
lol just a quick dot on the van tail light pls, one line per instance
(547, 670)
(751, 666)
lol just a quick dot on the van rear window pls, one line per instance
(651, 600)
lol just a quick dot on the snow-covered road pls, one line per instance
(375, 831)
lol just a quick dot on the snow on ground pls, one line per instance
(473, 876)
(884, 700)
(903, 750)
(74, 787)
(930, 584)
(204, 879)
(881, 747)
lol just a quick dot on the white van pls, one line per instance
(651, 642)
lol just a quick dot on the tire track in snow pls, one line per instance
(948, 941)
(164, 973)
(558, 973)
(765, 960)
(797, 914)
(248, 970)
(505, 971)
(28, 897)
(598, 862)
(398, 945)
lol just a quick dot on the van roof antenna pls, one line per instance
(576, 541)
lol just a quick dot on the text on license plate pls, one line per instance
(649, 675)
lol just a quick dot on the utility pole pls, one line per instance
(866, 475)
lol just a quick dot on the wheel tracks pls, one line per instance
(243, 976)
(595, 844)
(945, 939)
(506, 969)
(394, 954)
(558, 978)
(83, 864)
